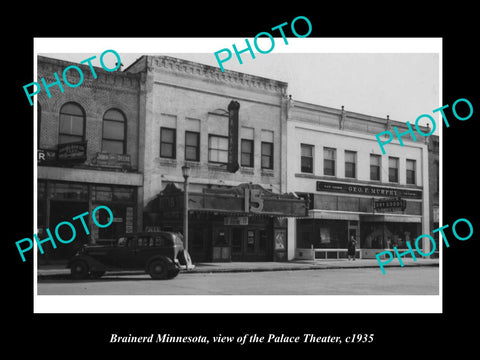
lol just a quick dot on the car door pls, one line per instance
(122, 256)
(145, 249)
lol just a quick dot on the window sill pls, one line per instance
(267, 172)
(217, 167)
(167, 162)
(247, 170)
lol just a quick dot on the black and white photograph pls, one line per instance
(271, 181)
(227, 183)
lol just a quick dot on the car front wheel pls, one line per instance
(79, 269)
(158, 269)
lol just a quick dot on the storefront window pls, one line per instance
(117, 228)
(41, 205)
(195, 237)
(378, 235)
(322, 233)
(113, 193)
(69, 191)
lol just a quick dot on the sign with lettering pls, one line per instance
(237, 220)
(45, 156)
(72, 152)
(113, 160)
(390, 204)
(253, 201)
(368, 190)
(233, 109)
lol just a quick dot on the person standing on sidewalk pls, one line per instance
(352, 243)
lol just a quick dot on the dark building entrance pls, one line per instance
(251, 243)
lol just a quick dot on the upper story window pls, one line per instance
(266, 150)
(71, 123)
(192, 145)
(329, 156)
(375, 166)
(114, 129)
(350, 164)
(306, 158)
(247, 146)
(267, 155)
(411, 171)
(246, 153)
(168, 142)
(393, 169)
(218, 149)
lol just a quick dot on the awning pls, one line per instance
(333, 215)
(391, 218)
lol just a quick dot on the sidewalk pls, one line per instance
(59, 269)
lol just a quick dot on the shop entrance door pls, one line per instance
(248, 244)
(65, 211)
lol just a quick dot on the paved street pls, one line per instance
(358, 281)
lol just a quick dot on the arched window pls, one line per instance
(72, 123)
(113, 138)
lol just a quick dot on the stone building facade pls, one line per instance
(382, 200)
(184, 120)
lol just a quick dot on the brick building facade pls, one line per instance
(101, 119)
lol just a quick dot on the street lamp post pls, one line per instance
(186, 174)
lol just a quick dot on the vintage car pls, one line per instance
(161, 254)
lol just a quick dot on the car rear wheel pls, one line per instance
(79, 269)
(158, 269)
(172, 273)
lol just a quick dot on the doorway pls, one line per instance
(248, 244)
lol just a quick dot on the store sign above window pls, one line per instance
(368, 190)
(46, 156)
(72, 152)
(390, 204)
(112, 160)
(66, 153)
(235, 220)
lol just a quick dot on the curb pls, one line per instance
(65, 273)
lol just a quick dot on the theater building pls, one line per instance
(229, 130)
(353, 189)
(87, 143)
